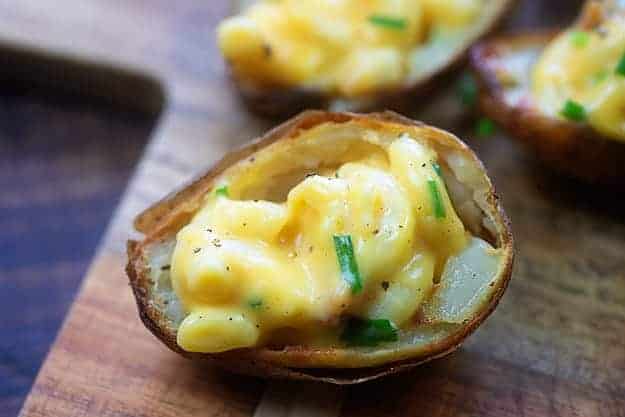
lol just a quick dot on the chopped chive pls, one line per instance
(600, 76)
(620, 67)
(347, 262)
(437, 169)
(574, 111)
(467, 90)
(579, 38)
(437, 200)
(485, 127)
(222, 191)
(367, 332)
(255, 303)
(388, 22)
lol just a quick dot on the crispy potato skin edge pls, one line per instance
(163, 216)
(569, 148)
(280, 103)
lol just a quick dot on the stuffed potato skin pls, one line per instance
(573, 149)
(281, 101)
(295, 362)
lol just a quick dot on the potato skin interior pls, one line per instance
(288, 247)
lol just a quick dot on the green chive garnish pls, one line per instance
(600, 76)
(347, 262)
(366, 332)
(437, 200)
(467, 90)
(388, 22)
(574, 111)
(437, 168)
(579, 38)
(255, 303)
(222, 191)
(620, 67)
(485, 127)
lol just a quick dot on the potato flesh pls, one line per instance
(332, 45)
(466, 287)
(274, 263)
(465, 279)
(585, 71)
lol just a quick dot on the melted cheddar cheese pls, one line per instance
(345, 47)
(582, 66)
(253, 272)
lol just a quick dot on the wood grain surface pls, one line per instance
(64, 162)
(555, 346)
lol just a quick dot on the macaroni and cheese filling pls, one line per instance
(581, 77)
(345, 47)
(347, 253)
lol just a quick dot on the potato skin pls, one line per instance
(572, 149)
(278, 102)
(167, 216)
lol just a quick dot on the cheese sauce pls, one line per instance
(345, 47)
(259, 272)
(582, 66)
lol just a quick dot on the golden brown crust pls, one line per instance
(283, 102)
(164, 218)
(573, 149)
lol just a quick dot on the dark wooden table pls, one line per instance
(64, 162)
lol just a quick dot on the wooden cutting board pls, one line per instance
(554, 347)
